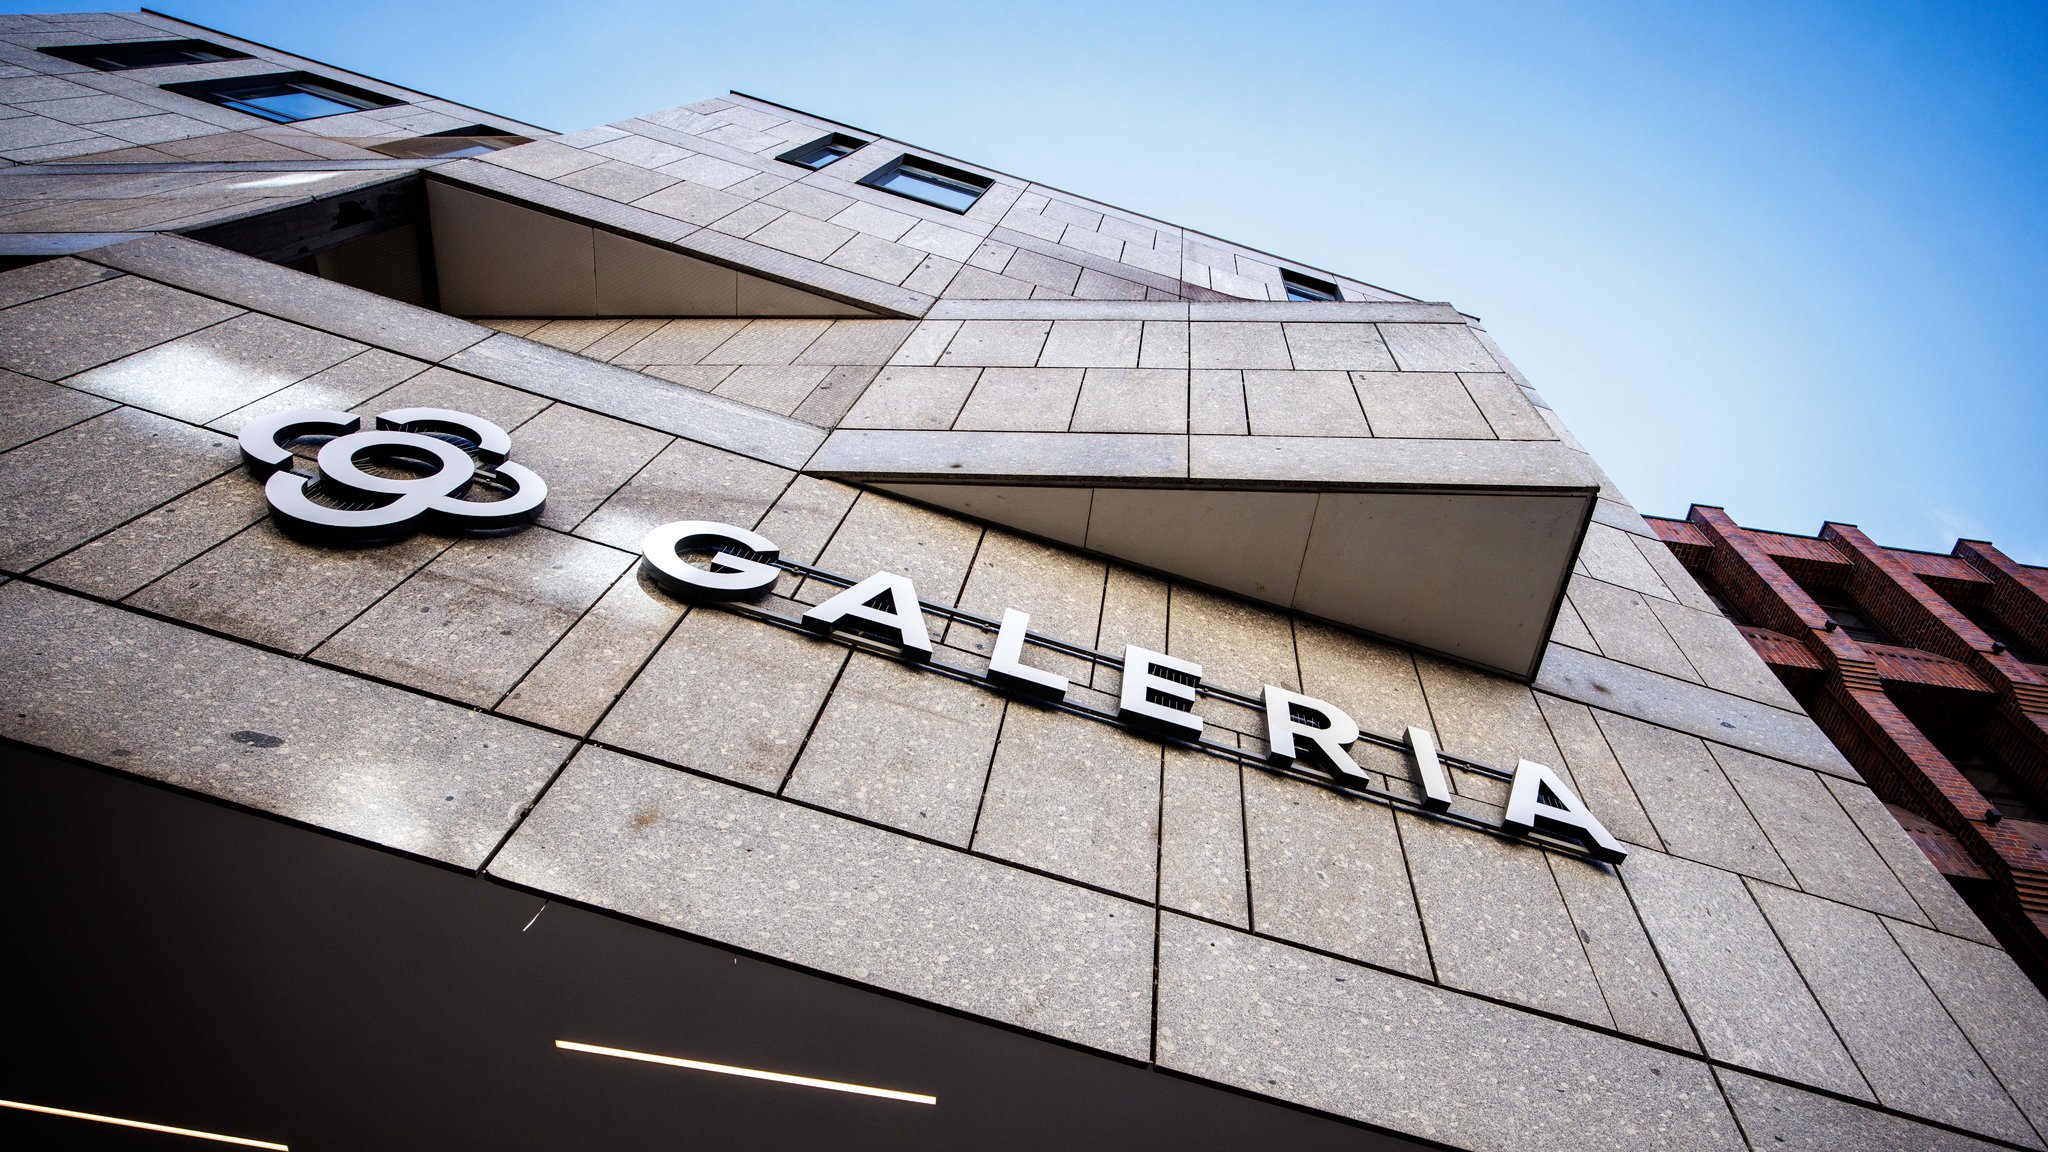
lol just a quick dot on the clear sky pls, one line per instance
(1785, 258)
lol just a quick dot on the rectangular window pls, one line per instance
(474, 140)
(821, 152)
(939, 185)
(1304, 287)
(1848, 616)
(1992, 777)
(1995, 630)
(285, 97)
(126, 54)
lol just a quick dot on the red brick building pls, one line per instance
(1930, 672)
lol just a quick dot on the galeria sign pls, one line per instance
(1158, 695)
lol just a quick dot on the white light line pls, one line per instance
(750, 1073)
(146, 1126)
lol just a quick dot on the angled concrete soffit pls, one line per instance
(1371, 462)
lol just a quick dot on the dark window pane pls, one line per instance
(932, 189)
(819, 153)
(143, 54)
(929, 182)
(475, 140)
(1994, 629)
(1850, 618)
(1305, 288)
(822, 155)
(285, 97)
(289, 105)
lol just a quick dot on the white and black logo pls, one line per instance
(419, 468)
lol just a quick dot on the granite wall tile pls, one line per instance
(122, 561)
(205, 375)
(1722, 656)
(1429, 405)
(826, 893)
(1696, 811)
(56, 336)
(1021, 400)
(1484, 717)
(997, 343)
(1373, 681)
(508, 408)
(912, 397)
(30, 408)
(583, 457)
(687, 481)
(1062, 593)
(1240, 646)
(1516, 942)
(1133, 612)
(1277, 1021)
(1741, 991)
(1302, 404)
(344, 387)
(1238, 345)
(575, 683)
(1989, 998)
(1930, 890)
(1074, 798)
(1344, 347)
(362, 316)
(901, 746)
(1688, 707)
(1779, 1116)
(1632, 981)
(1327, 871)
(1436, 348)
(1216, 403)
(274, 734)
(1826, 852)
(1507, 411)
(471, 622)
(66, 488)
(1133, 400)
(1601, 782)
(1902, 1040)
(1201, 846)
(728, 696)
(933, 549)
(1626, 630)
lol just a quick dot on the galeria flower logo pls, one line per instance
(417, 469)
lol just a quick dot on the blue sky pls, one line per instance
(1788, 259)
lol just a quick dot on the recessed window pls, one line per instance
(126, 54)
(1849, 616)
(940, 185)
(1994, 629)
(285, 97)
(1303, 287)
(475, 140)
(819, 153)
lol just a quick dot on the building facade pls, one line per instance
(1928, 672)
(1079, 678)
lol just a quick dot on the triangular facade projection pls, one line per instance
(1093, 377)
(751, 631)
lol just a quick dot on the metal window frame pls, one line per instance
(935, 172)
(90, 55)
(221, 91)
(802, 155)
(450, 142)
(1313, 289)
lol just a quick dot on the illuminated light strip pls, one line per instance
(750, 1073)
(144, 1125)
